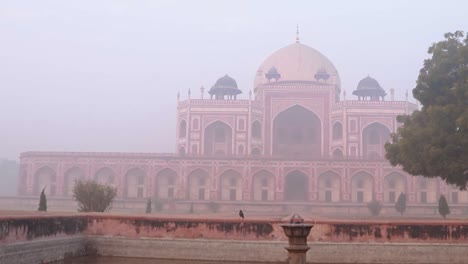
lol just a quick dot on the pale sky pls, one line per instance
(104, 75)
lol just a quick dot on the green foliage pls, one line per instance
(93, 196)
(433, 142)
(444, 209)
(374, 207)
(400, 205)
(148, 206)
(214, 207)
(42, 201)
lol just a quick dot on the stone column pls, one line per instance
(297, 233)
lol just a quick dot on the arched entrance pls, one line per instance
(297, 133)
(296, 187)
(218, 139)
(374, 137)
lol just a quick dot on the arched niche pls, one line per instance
(45, 177)
(105, 175)
(135, 184)
(393, 185)
(296, 186)
(297, 133)
(69, 179)
(329, 186)
(427, 190)
(256, 151)
(337, 131)
(182, 129)
(256, 130)
(362, 187)
(218, 139)
(263, 186)
(165, 184)
(230, 186)
(374, 137)
(198, 185)
(337, 154)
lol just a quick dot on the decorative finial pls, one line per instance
(189, 93)
(250, 94)
(406, 95)
(202, 91)
(297, 33)
(178, 96)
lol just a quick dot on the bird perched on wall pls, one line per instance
(241, 214)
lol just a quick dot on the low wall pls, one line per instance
(48, 237)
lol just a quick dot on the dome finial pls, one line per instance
(297, 33)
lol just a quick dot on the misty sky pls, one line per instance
(104, 75)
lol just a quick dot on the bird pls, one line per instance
(241, 214)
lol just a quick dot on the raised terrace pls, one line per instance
(38, 238)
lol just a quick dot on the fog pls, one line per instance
(104, 75)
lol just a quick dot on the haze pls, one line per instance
(104, 75)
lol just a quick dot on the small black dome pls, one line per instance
(272, 74)
(225, 86)
(321, 74)
(369, 87)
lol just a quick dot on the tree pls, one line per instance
(42, 201)
(93, 196)
(148, 206)
(400, 205)
(444, 209)
(433, 142)
(374, 207)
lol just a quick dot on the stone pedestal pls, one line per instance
(297, 233)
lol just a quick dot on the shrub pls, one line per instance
(93, 196)
(158, 205)
(444, 209)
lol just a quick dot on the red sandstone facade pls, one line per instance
(297, 139)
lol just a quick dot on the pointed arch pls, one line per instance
(230, 185)
(297, 132)
(362, 187)
(374, 137)
(182, 129)
(105, 175)
(45, 177)
(256, 130)
(218, 139)
(198, 184)
(337, 131)
(263, 186)
(70, 176)
(135, 186)
(296, 186)
(337, 153)
(165, 184)
(394, 183)
(329, 186)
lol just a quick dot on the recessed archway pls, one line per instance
(394, 184)
(105, 175)
(135, 183)
(198, 182)
(263, 186)
(230, 186)
(45, 178)
(165, 184)
(296, 186)
(297, 133)
(362, 187)
(329, 186)
(69, 178)
(374, 137)
(217, 139)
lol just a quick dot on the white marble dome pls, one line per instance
(299, 63)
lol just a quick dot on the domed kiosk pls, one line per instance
(224, 86)
(369, 88)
